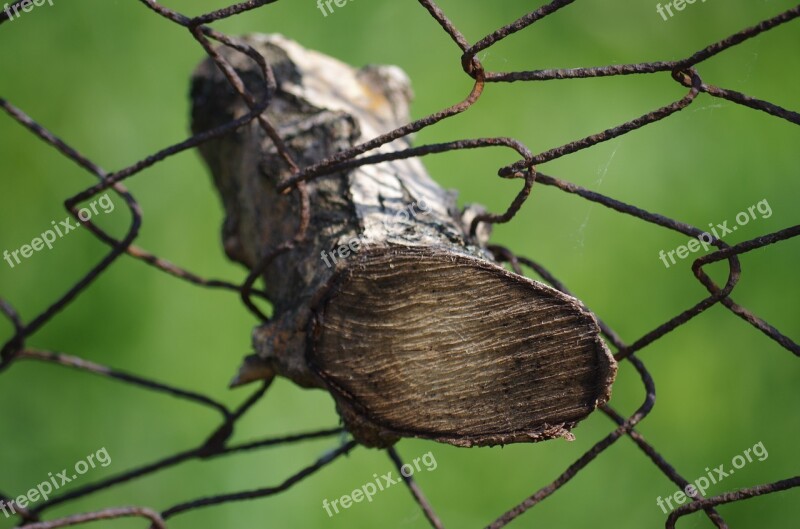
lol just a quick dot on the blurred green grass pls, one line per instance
(111, 79)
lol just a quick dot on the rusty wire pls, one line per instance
(683, 72)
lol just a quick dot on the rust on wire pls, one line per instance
(683, 71)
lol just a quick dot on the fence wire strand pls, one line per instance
(684, 72)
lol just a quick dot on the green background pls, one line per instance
(111, 79)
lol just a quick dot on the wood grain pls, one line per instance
(438, 345)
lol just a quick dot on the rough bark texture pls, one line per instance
(413, 329)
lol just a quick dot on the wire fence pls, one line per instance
(685, 72)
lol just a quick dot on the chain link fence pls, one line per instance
(686, 72)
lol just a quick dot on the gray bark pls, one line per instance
(413, 329)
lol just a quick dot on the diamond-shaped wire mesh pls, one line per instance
(686, 73)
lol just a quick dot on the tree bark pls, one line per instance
(388, 304)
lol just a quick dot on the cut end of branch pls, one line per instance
(416, 342)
